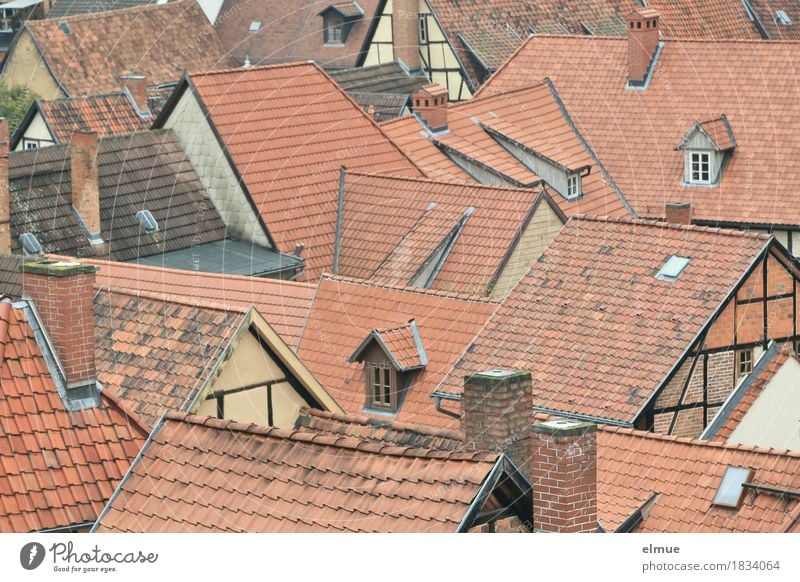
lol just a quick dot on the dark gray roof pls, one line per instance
(387, 105)
(231, 257)
(72, 7)
(10, 276)
(146, 170)
(386, 78)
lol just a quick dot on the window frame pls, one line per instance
(573, 186)
(703, 157)
(381, 395)
(333, 30)
(748, 362)
(30, 144)
(422, 26)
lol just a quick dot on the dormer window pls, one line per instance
(391, 356)
(573, 186)
(337, 20)
(706, 146)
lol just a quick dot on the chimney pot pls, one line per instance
(429, 103)
(643, 37)
(63, 294)
(405, 32)
(5, 193)
(137, 87)
(83, 150)
(678, 213)
(564, 475)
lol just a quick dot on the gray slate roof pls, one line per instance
(72, 7)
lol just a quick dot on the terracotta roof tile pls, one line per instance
(778, 26)
(43, 447)
(345, 311)
(108, 115)
(140, 170)
(288, 129)
(401, 343)
(597, 329)
(153, 354)
(390, 226)
(290, 34)
(284, 304)
(693, 80)
(530, 116)
(159, 41)
(265, 480)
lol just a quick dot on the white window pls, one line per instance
(30, 144)
(699, 168)
(573, 186)
(423, 28)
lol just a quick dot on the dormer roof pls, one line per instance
(717, 131)
(349, 10)
(402, 345)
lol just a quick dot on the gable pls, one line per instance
(24, 65)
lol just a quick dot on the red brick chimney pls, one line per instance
(429, 103)
(496, 413)
(678, 213)
(137, 87)
(564, 476)
(5, 194)
(63, 295)
(405, 32)
(643, 38)
(85, 185)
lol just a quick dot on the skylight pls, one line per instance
(147, 220)
(30, 244)
(65, 28)
(255, 26)
(673, 267)
(782, 18)
(730, 489)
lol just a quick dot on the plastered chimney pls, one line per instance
(405, 32)
(83, 150)
(5, 193)
(137, 87)
(643, 26)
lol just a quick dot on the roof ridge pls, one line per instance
(673, 226)
(419, 290)
(119, 93)
(228, 70)
(168, 299)
(698, 442)
(324, 439)
(444, 182)
(111, 13)
(203, 274)
(393, 424)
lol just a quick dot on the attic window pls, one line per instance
(672, 269)
(30, 244)
(573, 186)
(699, 168)
(782, 18)
(380, 385)
(255, 26)
(423, 29)
(64, 26)
(147, 221)
(334, 28)
(731, 488)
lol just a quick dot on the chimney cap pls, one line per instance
(564, 427)
(497, 376)
(678, 205)
(643, 14)
(57, 268)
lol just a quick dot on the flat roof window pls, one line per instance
(673, 267)
(30, 244)
(782, 18)
(255, 26)
(147, 220)
(731, 488)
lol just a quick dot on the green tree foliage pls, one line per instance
(14, 102)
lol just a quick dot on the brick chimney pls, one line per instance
(85, 185)
(137, 87)
(429, 104)
(63, 294)
(643, 38)
(405, 32)
(678, 213)
(496, 413)
(564, 476)
(5, 194)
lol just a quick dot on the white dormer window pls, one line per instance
(573, 186)
(699, 167)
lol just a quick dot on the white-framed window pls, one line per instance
(423, 28)
(573, 186)
(744, 362)
(699, 170)
(30, 144)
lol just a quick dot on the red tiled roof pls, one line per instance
(291, 32)
(284, 304)
(756, 387)
(153, 354)
(531, 116)
(159, 41)
(598, 331)
(634, 132)
(345, 310)
(401, 345)
(685, 473)
(718, 132)
(288, 129)
(57, 468)
(389, 229)
(202, 475)
(111, 114)
(767, 13)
